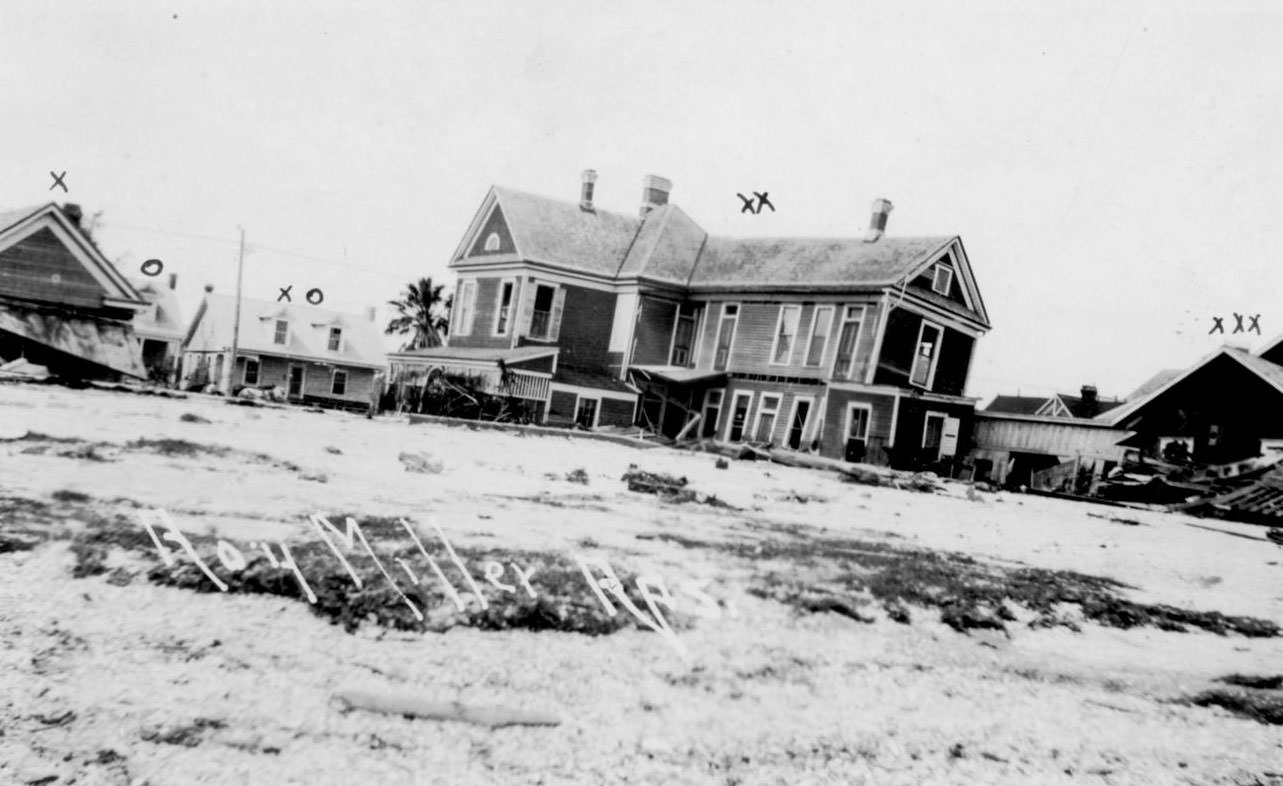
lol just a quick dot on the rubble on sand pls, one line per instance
(851, 472)
(667, 487)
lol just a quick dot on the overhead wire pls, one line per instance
(251, 247)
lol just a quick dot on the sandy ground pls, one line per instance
(92, 673)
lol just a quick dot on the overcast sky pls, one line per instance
(1114, 169)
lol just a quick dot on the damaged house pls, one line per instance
(315, 355)
(159, 329)
(856, 347)
(1227, 407)
(1018, 437)
(63, 305)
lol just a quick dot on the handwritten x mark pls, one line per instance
(57, 181)
(285, 294)
(748, 204)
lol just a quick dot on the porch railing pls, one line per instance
(526, 384)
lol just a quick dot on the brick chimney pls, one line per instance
(655, 191)
(878, 222)
(73, 213)
(1091, 401)
(589, 179)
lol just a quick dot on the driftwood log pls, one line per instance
(432, 709)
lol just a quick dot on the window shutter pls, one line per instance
(527, 309)
(558, 304)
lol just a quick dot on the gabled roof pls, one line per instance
(1016, 405)
(1155, 382)
(20, 224)
(1081, 408)
(559, 233)
(1048, 406)
(1268, 372)
(666, 246)
(308, 337)
(754, 263)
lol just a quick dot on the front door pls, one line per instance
(586, 413)
(801, 408)
(712, 412)
(933, 436)
(296, 381)
(739, 416)
(857, 432)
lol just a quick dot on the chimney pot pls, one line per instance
(589, 178)
(73, 213)
(878, 222)
(655, 191)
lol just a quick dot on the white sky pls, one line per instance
(1114, 168)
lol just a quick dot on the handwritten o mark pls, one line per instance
(318, 299)
(152, 267)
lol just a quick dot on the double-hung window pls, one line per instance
(785, 335)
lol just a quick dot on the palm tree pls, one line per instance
(421, 312)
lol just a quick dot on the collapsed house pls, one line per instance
(857, 348)
(1019, 437)
(63, 306)
(314, 355)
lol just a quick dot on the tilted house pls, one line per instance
(317, 356)
(859, 347)
(63, 305)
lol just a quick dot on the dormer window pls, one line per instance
(336, 339)
(942, 279)
(492, 241)
(282, 332)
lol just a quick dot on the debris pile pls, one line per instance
(667, 487)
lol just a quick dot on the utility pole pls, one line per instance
(236, 320)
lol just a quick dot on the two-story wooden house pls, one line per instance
(858, 347)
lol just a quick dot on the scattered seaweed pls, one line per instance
(967, 593)
(1258, 705)
(564, 600)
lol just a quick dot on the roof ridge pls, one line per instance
(566, 202)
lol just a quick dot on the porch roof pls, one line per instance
(680, 375)
(474, 354)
